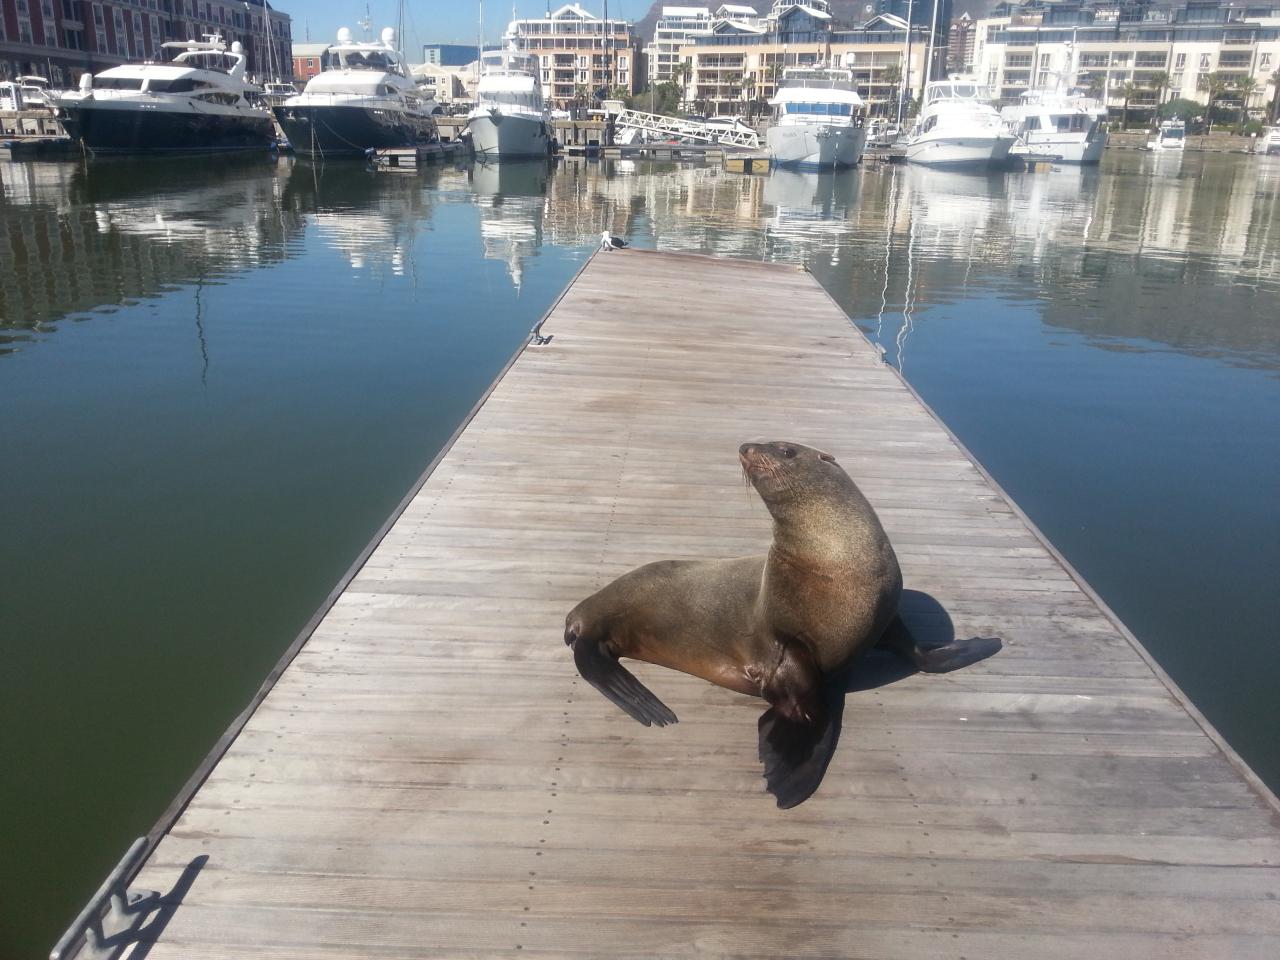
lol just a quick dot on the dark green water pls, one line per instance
(216, 380)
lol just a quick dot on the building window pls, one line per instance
(1180, 61)
(1044, 61)
(122, 41)
(1204, 61)
(1264, 62)
(138, 50)
(622, 63)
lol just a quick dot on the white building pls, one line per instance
(1106, 46)
(679, 25)
(580, 54)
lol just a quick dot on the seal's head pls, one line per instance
(781, 471)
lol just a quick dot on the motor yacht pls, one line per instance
(817, 119)
(1170, 135)
(510, 119)
(197, 103)
(959, 128)
(1066, 127)
(367, 100)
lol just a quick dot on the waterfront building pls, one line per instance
(450, 54)
(448, 85)
(62, 39)
(309, 59)
(733, 72)
(1151, 52)
(678, 25)
(579, 53)
(960, 44)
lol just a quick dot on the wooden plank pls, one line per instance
(429, 777)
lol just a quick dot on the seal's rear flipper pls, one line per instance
(602, 670)
(795, 755)
(937, 658)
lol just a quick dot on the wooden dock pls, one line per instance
(428, 777)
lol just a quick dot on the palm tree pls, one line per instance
(749, 88)
(681, 73)
(1246, 86)
(1129, 91)
(1159, 80)
(1213, 83)
(1275, 97)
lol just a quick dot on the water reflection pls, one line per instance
(511, 198)
(76, 238)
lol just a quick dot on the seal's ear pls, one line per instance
(826, 456)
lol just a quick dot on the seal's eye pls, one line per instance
(789, 452)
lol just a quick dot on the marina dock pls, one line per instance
(425, 774)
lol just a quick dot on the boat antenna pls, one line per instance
(366, 22)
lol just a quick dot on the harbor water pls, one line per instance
(217, 379)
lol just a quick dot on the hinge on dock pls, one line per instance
(105, 926)
(538, 339)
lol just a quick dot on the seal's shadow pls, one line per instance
(929, 626)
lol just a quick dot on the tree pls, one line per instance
(1128, 91)
(1096, 85)
(1159, 80)
(1275, 97)
(1213, 83)
(1246, 86)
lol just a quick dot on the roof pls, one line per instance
(309, 49)
(738, 9)
(573, 11)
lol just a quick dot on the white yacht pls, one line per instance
(198, 102)
(1171, 135)
(510, 118)
(1067, 127)
(26, 93)
(366, 100)
(958, 128)
(817, 119)
(1269, 142)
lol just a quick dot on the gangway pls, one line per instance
(687, 129)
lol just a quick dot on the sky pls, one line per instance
(430, 21)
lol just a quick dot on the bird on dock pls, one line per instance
(609, 242)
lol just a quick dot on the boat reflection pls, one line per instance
(511, 197)
(110, 232)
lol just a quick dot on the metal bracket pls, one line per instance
(98, 933)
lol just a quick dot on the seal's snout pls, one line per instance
(751, 457)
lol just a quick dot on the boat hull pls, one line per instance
(509, 137)
(133, 130)
(815, 146)
(346, 130)
(960, 153)
(1074, 151)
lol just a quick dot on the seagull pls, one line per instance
(609, 242)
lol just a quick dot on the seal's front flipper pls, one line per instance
(799, 731)
(795, 755)
(602, 670)
(938, 658)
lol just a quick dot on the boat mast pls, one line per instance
(928, 60)
(905, 86)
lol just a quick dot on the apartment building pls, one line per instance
(733, 72)
(62, 39)
(1166, 51)
(580, 54)
(678, 26)
(960, 43)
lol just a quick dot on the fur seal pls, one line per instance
(783, 626)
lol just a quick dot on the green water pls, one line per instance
(217, 379)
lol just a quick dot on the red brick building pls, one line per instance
(62, 39)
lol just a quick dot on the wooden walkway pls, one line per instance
(429, 778)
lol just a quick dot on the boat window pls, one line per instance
(929, 124)
(1033, 123)
(117, 83)
(369, 60)
(1173, 134)
(1062, 123)
(178, 85)
(821, 109)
